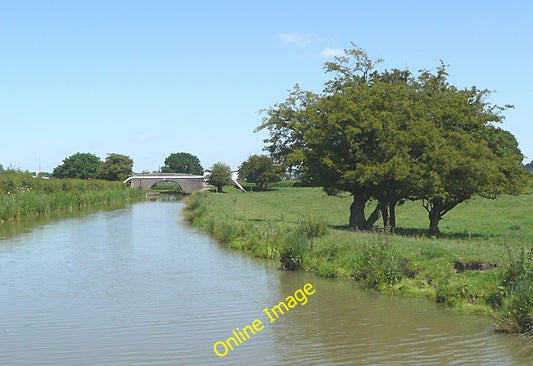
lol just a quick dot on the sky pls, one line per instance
(151, 78)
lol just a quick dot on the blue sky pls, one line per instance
(149, 78)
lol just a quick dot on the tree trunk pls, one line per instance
(392, 213)
(434, 219)
(385, 214)
(374, 216)
(357, 213)
(219, 189)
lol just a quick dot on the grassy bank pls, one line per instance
(22, 195)
(305, 229)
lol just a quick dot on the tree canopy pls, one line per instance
(219, 176)
(79, 165)
(116, 167)
(259, 169)
(182, 162)
(390, 136)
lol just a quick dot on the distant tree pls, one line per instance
(1, 168)
(219, 176)
(259, 169)
(182, 163)
(116, 167)
(79, 165)
(529, 166)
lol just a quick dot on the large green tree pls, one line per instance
(469, 155)
(352, 138)
(388, 136)
(116, 167)
(219, 175)
(79, 165)
(259, 169)
(182, 162)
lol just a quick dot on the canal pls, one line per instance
(137, 286)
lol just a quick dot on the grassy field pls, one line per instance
(305, 229)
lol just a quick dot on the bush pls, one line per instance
(290, 260)
(516, 280)
(379, 266)
(313, 227)
(292, 256)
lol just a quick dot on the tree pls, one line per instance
(116, 167)
(528, 166)
(79, 165)
(388, 136)
(352, 138)
(1, 168)
(469, 155)
(182, 163)
(219, 176)
(259, 169)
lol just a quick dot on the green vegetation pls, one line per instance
(390, 136)
(517, 294)
(182, 163)
(219, 176)
(116, 167)
(259, 169)
(79, 166)
(305, 229)
(167, 187)
(22, 195)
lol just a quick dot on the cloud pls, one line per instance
(296, 38)
(331, 52)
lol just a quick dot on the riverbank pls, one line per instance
(481, 264)
(21, 195)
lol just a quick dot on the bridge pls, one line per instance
(187, 182)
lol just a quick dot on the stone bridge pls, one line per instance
(187, 182)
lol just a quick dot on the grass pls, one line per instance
(21, 195)
(305, 229)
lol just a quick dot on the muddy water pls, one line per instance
(136, 286)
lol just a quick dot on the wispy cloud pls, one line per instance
(331, 52)
(296, 38)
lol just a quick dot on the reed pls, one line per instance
(22, 195)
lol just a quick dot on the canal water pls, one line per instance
(137, 286)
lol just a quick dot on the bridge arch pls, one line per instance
(167, 185)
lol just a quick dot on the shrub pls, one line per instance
(379, 266)
(516, 280)
(294, 250)
(290, 260)
(313, 227)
